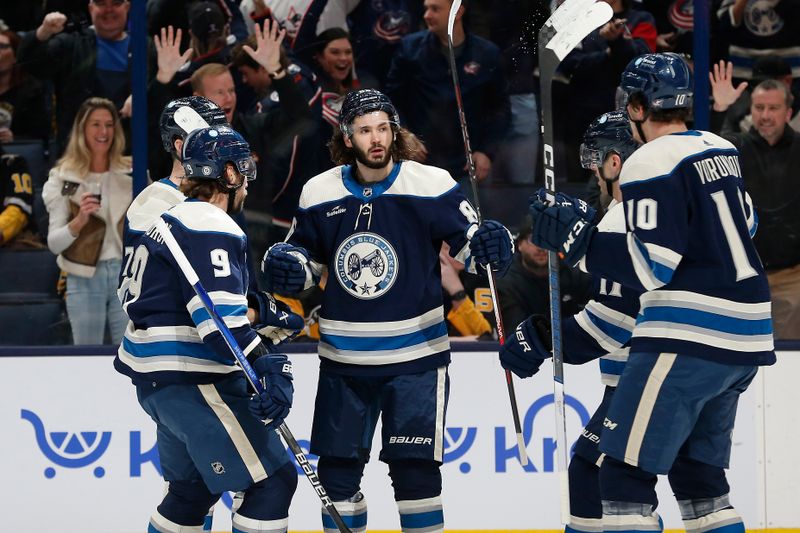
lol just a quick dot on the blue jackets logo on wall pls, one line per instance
(457, 442)
(366, 265)
(67, 448)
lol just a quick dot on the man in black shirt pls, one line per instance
(770, 158)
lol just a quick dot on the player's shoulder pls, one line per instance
(202, 217)
(614, 219)
(424, 181)
(661, 157)
(323, 188)
(148, 205)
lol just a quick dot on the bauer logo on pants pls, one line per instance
(366, 265)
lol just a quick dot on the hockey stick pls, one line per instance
(454, 7)
(563, 31)
(252, 378)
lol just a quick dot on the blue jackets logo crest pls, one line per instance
(366, 265)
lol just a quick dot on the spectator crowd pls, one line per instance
(280, 73)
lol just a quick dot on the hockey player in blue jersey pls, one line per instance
(704, 325)
(601, 330)
(211, 434)
(377, 223)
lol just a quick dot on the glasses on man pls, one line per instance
(4, 46)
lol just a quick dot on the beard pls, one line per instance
(363, 157)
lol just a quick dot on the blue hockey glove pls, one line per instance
(492, 244)
(272, 405)
(525, 351)
(285, 269)
(582, 209)
(276, 321)
(560, 229)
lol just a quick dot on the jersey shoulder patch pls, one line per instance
(423, 181)
(204, 217)
(154, 200)
(323, 188)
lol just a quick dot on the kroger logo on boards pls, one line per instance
(504, 452)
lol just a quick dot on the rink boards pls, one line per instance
(80, 453)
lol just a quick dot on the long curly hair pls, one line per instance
(406, 147)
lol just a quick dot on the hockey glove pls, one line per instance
(272, 405)
(492, 244)
(525, 351)
(582, 209)
(276, 321)
(560, 229)
(285, 269)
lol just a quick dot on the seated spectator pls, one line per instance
(82, 63)
(594, 69)
(467, 299)
(770, 156)
(525, 289)
(731, 110)
(16, 195)
(86, 195)
(421, 86)
(332, 62)
(23, 113)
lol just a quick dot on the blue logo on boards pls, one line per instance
(457, 442)
(503, 453)
(67, 448)
(366, 265)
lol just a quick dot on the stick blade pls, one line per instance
(451, 19)
(575, 30)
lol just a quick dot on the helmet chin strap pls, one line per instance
(638, 124)
(608, 181)
(231, 198)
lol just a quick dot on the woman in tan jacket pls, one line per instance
(87, 195)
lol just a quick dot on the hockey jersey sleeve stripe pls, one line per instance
(372, 344)
(608, 366)
(706, 320)
(650, 272)
(608, 335)
(19, 202)
(163, 333)
(381, 329)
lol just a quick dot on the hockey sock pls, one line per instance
(710, 515)
(353, 512)
(418, 516)
(183, 509)
(586, 511)
(265, 505)
(629, 498)
(417, 489)
(702, 493)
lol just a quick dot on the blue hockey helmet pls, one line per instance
(183, 115)
(364, 101)
(664, 80)
(206, 152)
(610, 132)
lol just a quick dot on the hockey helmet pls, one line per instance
(664, 80)
(364, 101)
(610, 132)
(183, 115)
(207, 150)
